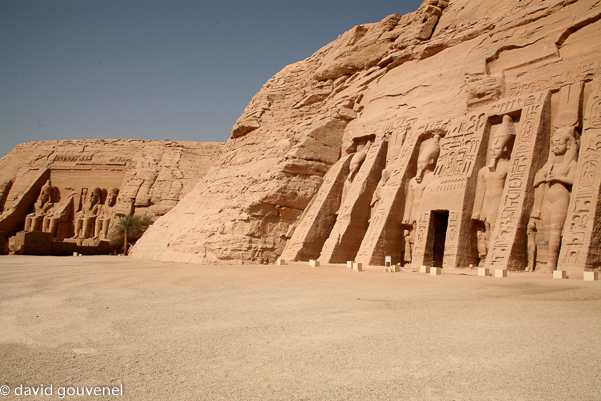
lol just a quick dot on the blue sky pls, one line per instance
(179, 70)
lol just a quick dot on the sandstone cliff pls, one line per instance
(446, 73)
(151, 175)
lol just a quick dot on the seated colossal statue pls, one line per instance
(85, 219)
(34, 220)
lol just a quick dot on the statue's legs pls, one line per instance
(36, 224)
(106, 225)
(558, 216)
(98, 227)
(46, 224)
(77, 227)
(28, 220)
(88, 226)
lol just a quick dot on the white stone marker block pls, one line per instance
(424, 269)
(75, 254)
(560, 274)
(483, 271)
(395, 268)
(591, 276)
(500, 273)
(314, 263)
(349, 263)
(357, 266)
(435, 271)
(280, 262)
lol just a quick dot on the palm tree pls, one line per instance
(129, 228)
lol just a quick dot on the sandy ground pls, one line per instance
(186, 332)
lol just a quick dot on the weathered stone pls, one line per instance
(489, 81)
(32, 243)
(80, 188)
(3, 244)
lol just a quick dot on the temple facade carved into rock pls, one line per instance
(465, 133)
(64, 196)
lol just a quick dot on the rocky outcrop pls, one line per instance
(149, 177)
(449, 73)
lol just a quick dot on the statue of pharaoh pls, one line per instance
(356, 162)
(107, 215)
(33, 221)
(553, 186)
(491, 182)
(85, 219)
(426, 162)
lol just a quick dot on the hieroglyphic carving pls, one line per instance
(565, 77)
(420, 250)
(503, 250)
(580, 245)
(453, 238)
(320, 215)
(460, 149)
(72, 158)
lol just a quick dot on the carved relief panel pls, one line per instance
(581, 238)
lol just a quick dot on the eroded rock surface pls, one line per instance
(77, 188)
(451, 72)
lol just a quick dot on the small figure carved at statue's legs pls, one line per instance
(482, 247)
(408, 236)
(531, 236)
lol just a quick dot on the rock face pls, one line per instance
(467, 132)
(76, 189)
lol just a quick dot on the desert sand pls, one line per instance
(167, 331)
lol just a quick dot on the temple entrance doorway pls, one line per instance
(441, 222)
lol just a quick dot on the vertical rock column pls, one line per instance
(351, 224)
(316, 223)
(581, 243)
(507, 244)
(384, 232)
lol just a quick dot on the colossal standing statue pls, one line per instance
(33, 221)
(85, 219)
(426, 162)
(356, 162)
(377, 197)
(553, 185)
(491, 182)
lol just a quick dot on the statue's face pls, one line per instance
(44, 196)
(111, 199)
(423, 162)
(497, 148)
(94, 197)
(559, 144)
(355, 166)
